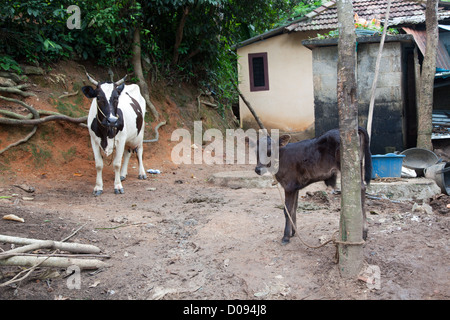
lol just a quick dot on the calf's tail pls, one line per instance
(367, 155)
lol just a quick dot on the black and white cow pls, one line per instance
(115, 122)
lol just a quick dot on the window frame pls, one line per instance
(266, 86)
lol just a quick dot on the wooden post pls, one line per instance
(425, 101)
(351, 223)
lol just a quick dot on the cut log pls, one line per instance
(29, 247)
(53, 262)
(71, 247)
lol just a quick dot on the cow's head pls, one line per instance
(107, 98)
(267, 152)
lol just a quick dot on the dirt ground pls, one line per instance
(177, 236)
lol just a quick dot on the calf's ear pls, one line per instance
(284, 140)
(89, 92)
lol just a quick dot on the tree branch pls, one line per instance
(260, 124)
(137, 65)
(26, 120)
(17, 90)
(179, 35)
(27, 137)
(31, 122)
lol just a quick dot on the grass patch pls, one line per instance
(70, 154)
(40, 156)
(67, 108)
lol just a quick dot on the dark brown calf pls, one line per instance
(308, 161)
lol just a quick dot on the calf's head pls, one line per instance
(267, 152)
(107, 99)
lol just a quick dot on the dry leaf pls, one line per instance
(13, 217)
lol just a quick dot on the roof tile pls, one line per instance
(325, 17)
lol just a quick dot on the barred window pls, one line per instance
(259, 77)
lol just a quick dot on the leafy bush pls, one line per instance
(9, 64)
(188, 40)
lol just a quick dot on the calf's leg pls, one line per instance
(291, 199)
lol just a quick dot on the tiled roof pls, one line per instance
(401, 12)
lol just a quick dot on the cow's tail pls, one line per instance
(367, 155)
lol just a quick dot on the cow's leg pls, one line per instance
(98, 189)
(124, 169)
(290, 201)
(139, 152)
(118, 188)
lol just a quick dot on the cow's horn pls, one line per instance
(118, 83)
(91, 79)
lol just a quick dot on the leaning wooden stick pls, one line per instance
(249, 106)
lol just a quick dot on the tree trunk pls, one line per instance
(179, 35)
(137, 65)
(351, 224)
(425, 101)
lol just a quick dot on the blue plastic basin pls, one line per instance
(387, 165)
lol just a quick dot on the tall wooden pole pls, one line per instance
(426, 87)
(351, 222)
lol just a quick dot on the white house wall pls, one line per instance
(288, 105)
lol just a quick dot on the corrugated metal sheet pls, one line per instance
(442, 57)
(441, 124)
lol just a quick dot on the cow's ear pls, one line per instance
(284, 140)
(120, 88)
(89, 92)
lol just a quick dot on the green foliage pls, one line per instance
(34, 30)
(9, 64)
(300, 9)
(198, 50)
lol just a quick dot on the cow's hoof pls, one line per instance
(97, 193)
(142, 177)
(119, 191)
(285, 241)
(122, 178)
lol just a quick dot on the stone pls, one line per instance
(405, 189)
(32, 70)
(241, 179)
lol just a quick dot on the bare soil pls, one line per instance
(177, 236)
